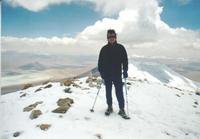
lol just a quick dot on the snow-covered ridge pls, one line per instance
(161, 74)
(157, 111)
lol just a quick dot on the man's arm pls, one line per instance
(125, 63)
(100, 63)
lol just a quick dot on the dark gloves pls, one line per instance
(125, 74)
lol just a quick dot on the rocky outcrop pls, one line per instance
(67, 82)
(44, 127)
(32, 106)
(23, 95)
(99, 136)
(48, 86)
(196, 103)
(64, 104)
(39, 89)
(61, 109)
(65, 101)
(16, 134)
(35, 114)
(93, 81)
(197, 93)
(67, 90)
(70, 82)
(76, 85)
(26, 86)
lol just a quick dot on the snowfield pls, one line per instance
(162, 105)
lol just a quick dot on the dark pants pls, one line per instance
(118, 90)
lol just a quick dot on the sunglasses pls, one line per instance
(111, 36)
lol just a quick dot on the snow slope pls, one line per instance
(157, 110)
(158, 73)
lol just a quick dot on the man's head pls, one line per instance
(111, 36)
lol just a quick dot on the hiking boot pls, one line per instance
(122, 112)
(109, 110)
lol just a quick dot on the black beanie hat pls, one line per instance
(111, 31)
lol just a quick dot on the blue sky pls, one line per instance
(177, 14)
(57, 20)
(63, 19)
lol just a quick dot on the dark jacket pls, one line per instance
(111, 60)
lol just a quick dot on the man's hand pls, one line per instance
(100, 82)
(103, 82)
(125, 74)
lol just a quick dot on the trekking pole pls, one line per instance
(92, 109)
(126, 98)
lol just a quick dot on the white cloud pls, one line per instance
(139, 28)
(36, 5)
(105, 6)
(53, 45)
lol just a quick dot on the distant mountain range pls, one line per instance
(33, 66)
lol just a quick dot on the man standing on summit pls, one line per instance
(112, 59)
